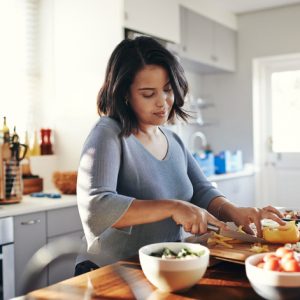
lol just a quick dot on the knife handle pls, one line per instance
(214, 228)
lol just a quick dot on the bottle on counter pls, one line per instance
(5, 130)
(5, 147)
(35, 150)
(46, 145)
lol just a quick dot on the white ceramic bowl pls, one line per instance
(173, 274)
(272, 285)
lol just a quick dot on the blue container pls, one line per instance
(206, 162)
(228, 162)
(222, 162)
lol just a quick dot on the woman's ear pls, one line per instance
(126, 99)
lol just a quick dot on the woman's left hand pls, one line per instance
(246, 215)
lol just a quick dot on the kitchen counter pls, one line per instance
(223, 280)
(248, 170)
(30, 204)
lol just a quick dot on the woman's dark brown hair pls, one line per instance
(127, 59)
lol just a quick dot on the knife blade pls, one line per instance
(236, 234)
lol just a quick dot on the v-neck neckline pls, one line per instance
(166, 157)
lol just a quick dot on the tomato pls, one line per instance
(269, 256)
(286, 257)
(272, 264)
(290, 265)
(281, 251)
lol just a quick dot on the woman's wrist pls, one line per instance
(222, 209)
(227, 211)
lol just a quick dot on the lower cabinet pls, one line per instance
(239, 190)
(63, 223)
(63, 267)
(34, 231)
(29, 236)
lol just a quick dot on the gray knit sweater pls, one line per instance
(113, 171)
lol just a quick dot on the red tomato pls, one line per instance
(272, 264)
(286, 257)
(280, 252)
(290, 265)
(269, 256)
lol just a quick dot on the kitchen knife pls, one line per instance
(245, 237)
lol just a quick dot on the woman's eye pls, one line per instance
(149, 95)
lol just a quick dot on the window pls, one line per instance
(285, 94)
(19, 60)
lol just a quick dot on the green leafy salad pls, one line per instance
(167, 253)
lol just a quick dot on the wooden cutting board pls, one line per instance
(238, 253)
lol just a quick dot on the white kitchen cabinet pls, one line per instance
(64, 222)
(239, 190)
(207, 42)
(29, 236)
(155, 17)
(35, 230)
(224, 50)
(63, 267)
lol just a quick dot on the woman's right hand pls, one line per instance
(193, 218)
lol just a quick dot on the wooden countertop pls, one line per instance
(226, 281)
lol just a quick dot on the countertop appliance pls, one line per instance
(7, 274)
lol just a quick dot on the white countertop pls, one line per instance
(30, 204)
(248, 170)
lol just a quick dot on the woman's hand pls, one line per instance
(246, 215)
(193, 218)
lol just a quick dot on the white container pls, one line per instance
(272, 285)
(173, 274)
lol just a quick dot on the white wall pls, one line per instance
(80, 38)
(262, 33)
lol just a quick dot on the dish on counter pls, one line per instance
(173, 274)
(268, 278)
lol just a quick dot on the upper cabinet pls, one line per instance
(207, 42)
(155, 17)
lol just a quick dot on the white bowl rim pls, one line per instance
(184, 244)
(291, 274)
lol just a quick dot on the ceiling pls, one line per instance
(243, 6)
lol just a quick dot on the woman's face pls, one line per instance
(151, 95)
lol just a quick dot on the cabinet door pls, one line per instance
(238, 190)
(62, 221)
(224, 47)
(30, 236)
(63, 267)
(196, 36)
(155, 17)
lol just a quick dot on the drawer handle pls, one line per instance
(31, 222)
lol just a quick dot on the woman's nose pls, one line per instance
(161, 99)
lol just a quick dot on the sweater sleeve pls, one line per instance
(204, 191)
(99, 203)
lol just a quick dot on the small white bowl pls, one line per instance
(173, 274)
(272, 285)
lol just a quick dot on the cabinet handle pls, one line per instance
(31, 222)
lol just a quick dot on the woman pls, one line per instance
(137, 183)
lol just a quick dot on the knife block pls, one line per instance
(10, 179)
